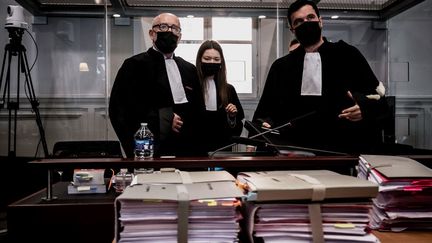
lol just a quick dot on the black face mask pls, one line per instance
(308, 33)
(166, 42)
(210, 69)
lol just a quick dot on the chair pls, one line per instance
(389, 131)
(87, 149)
(84, 149)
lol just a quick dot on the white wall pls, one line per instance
(410, 42)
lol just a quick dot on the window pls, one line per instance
(234, 35)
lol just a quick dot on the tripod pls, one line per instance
(16, 49)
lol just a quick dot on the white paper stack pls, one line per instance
(148, 220)
(209, 221)
(291, 223)
(307, 206)
(206, 210)
(405, 192)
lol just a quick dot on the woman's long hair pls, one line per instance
(220, 77)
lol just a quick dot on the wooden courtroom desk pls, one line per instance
(90, 218)
(404, 237)
(69, 218)
(241, 162)
(258, 162)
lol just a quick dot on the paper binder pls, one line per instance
(405, 187)
(314, 186)
(208, 190)
(181, 187)
(183, 177)
(393, 167)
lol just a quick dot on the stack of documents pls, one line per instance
(180, 207)
(405, 192)
(307, 206)
(87, 181)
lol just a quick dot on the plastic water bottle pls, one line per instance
(122, 180)
(143, 142)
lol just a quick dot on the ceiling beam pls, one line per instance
(203, 8)
(32, 6)
(398, 7)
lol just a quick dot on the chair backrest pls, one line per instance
(87, 149)
(389, 131)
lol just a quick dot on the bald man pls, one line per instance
(161, 89)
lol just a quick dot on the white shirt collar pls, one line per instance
(211, 95)
(312, 74)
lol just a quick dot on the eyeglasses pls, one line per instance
(165, 28)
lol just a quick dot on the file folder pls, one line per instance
(194, 201)
(307, 206)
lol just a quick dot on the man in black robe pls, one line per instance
(162, 90)
(331, 82)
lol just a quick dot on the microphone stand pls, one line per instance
(265, 132)
(303, 148)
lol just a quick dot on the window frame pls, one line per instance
(253, 42)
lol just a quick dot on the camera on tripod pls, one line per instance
(15, 17)
(15, 50)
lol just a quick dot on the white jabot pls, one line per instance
(210, 95)
(175, 81)
(312, 74)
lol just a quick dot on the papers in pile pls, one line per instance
(179, 207)
(307, 206)
(405, 192)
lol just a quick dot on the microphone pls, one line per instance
(276, 129)
(259, 133)
(255, 142)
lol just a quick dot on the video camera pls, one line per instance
(15, 17)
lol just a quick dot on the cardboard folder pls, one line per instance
(183, 177)
(393, 167)
(284, 189)
(208, 190)
(405, 192)
(165, 188)
(313, 185)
